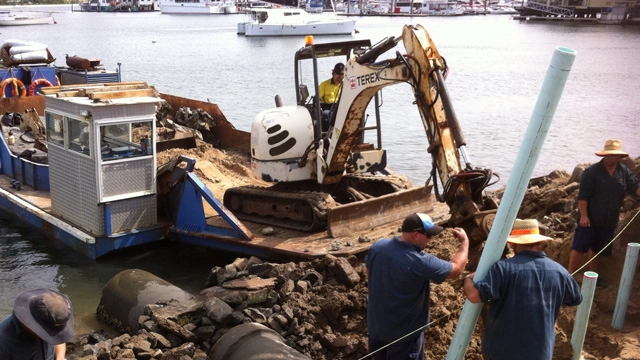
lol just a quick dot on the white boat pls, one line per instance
(198, 7)
(118, 5)
(377, 7)
(286, 22)
(501, 8)
(8, 18)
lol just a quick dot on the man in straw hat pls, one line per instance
(400, 276)
(38, 329)
(603, 186)
(524, 293)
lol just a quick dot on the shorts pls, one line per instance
(594, 239)
(412, 349)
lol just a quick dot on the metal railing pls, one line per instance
(549, 9)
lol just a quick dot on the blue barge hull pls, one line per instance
(15, 202)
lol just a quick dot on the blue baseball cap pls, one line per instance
(422, 223)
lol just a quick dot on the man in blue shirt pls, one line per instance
(524, 293)
(399, 278)
(603, 187)
(38, 329)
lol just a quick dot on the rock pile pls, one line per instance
(319, 306)
(313, 305)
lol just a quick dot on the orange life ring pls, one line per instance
(37, 82)
(17, 86)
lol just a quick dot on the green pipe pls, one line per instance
(539, 124)
(589, 281)
(626, 281)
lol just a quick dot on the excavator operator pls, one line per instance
(330, 92)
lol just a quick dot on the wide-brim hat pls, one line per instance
(526, 232)
(612, 147)
(46, 313)
(421, 223)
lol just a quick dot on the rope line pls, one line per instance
(409, 334)
(610, 242)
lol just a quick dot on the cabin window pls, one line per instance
(55, 128)
(128, 140)
(78, 131)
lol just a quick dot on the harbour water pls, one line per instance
(497, 68)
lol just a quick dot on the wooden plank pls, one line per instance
(95, 87)
(88, 91)
(106, 95)
(71, 93)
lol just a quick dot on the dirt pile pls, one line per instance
(319, 307)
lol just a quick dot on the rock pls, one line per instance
(250, 284)
(268, 231)
(302, 286)
(217, 310)
(162, 341)
(186, 349)
(175, 329)
(345, 273)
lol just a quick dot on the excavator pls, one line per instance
(329, 178)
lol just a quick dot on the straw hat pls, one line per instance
(526, 232)
(612, 147)
(47, 313)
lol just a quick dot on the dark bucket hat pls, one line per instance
(47, 313)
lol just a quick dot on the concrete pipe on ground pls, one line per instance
(126, 294)
(252, 341)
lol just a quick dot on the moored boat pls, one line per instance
(117, 5)
(205, 7)
(287, 22)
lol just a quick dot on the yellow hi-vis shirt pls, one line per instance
(329, 92)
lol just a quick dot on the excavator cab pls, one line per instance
(313, 64)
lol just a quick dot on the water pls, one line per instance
(497, 68)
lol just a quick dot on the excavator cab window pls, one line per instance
(304, 93)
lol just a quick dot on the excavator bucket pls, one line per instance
(351, 218)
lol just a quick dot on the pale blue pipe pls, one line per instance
(589, 281)
(626, 281)
(537, 130)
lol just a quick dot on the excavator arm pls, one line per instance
(424, 69)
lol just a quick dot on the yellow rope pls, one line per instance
(611, 242)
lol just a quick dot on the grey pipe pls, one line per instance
(125, 296)
(253, 341)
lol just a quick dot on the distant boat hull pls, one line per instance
(298, 24)
(300, 30)
(16, 20)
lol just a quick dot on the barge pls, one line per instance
(102, 190)
(308, 185)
